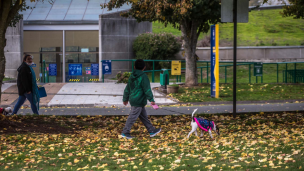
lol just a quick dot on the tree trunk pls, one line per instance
(2, 58)
(4, 15)
(189, 33)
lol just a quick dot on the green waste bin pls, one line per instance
(164, 77)
(258, 69)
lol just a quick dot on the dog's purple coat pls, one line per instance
(204, 124)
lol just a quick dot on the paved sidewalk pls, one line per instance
(99, 97)
(98, 94)
(73, 94)
(10, 94)
(223, 109)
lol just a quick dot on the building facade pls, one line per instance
(73, 37)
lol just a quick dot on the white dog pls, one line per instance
(6, 111)
(204, 124)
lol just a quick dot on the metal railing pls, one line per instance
(226, 76)
(285, 72)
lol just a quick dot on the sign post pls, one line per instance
(234, 55)
(106, 67)
(176, 68)
(214, 42)
(235, 11)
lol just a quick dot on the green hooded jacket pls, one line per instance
(138, 89)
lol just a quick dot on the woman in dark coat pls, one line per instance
(27, 86)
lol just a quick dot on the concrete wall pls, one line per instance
(14, 49)
(116, 36)
(254, 54)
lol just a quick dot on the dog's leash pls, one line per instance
(174, 111)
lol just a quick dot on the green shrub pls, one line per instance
(162, 46)
(165, 65)
(123, 78)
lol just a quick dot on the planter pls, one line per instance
(172, 89)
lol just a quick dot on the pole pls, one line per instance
(44, 77)
(132, 66)
(153, 72)
(201, 75)
(234, 55)
(250, 73)
(217, 69)
(225, 74)
(286, 74)
(207, 73)
(166, 77)
(63, 56)
(277, 73)
(295, 70)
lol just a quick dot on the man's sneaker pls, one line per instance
(155, 132)
(128, 136)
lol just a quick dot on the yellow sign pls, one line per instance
(176, 68)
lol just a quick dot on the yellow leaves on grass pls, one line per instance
(263, 160)
(253, 140)
(76, 160)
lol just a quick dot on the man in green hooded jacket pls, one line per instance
(137, 92)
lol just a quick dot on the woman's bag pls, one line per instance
(42, 92)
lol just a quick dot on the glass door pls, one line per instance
(51, 65)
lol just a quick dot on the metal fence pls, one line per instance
(280, 72)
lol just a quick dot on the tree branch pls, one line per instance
(1, 7)
(5, 8)
(14, 11)
(200, 29)
(4, 12)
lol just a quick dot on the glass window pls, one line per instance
(58, 11)
(77, 11)
(35, 40)
(43, 45)
(73, 17)
(94, 11)
(82, 48)
(82, 39)
(29, 3)
(55, 17)
(36, 17)
(91, 17)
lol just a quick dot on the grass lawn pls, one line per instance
(7, 79)
(265, 28)
(258, 141)
(245, 92)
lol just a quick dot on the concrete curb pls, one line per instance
(170, 104)
(165, 95)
